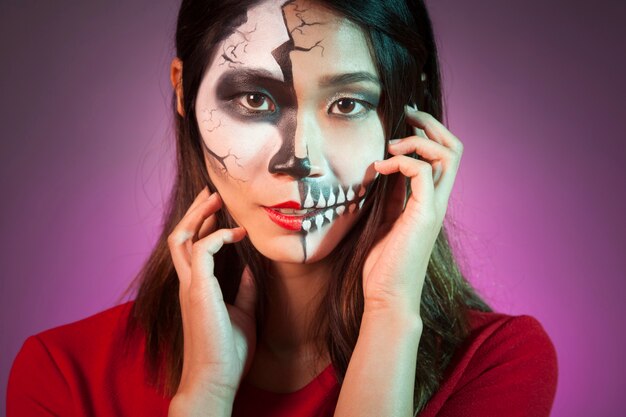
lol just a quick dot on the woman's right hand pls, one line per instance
(219, 339)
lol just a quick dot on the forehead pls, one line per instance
(318, 41)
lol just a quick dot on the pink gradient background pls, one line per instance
(534, 90)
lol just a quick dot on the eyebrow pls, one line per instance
(243, 76)
(248, 74)
(348, 78)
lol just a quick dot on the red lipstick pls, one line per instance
(288, 204)
(289, 222)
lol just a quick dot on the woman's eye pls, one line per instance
(256, 102)
(346, 107)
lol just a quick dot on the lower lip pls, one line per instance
(288, 222)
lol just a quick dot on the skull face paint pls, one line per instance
(287, 114)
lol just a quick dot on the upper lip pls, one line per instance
(287, 205)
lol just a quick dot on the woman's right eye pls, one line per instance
(256, 102)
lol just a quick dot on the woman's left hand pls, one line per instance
(395, 268)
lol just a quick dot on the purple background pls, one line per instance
(533, 91)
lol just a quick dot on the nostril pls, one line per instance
(290, 165)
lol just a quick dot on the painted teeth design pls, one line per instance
(350, 194)
(327, 196)
(324, 217)
(322, 202)
(308, 201)
(341, 197)
(331, 198)
(329, 214)
(319, 221)
(315, 193)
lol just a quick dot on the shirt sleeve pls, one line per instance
(36, 386)
(514, 374)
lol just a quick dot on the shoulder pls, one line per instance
(56, 364)
(83, 342)
(519, 342)
(507, 365)
(501, 337)
(91, 330)
(493, 327)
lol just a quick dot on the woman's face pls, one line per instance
(287, 114)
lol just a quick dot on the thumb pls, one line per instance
(247, 294)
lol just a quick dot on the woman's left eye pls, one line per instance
(346, 107)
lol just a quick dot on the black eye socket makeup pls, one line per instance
(235, 86)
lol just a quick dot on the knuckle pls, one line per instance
(425, 167)
(450, 154)
(459, 148)
(209, 244)
(173, 238)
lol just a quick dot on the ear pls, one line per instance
(176, 77)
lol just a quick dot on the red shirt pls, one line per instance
(506, 367)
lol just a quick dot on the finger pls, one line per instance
(179, 241)
(207, 227)
(189, 225)
(416, 130)
(203, 250)
(419, 172)
(424, 147)
(433, 129)
(247, 294)
(191, 222)
(204, 300)
(441, 158)
(445, 162)
(202, 195)
(394, 204)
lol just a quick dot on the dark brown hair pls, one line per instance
(404, 50)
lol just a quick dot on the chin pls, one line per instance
(289, 248)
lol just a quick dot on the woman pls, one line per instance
(303, 260)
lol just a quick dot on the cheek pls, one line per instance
(353, 147)
(241, 149)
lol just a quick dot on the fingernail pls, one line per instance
(394, 141)
(411, 108)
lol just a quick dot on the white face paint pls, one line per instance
(287, 113)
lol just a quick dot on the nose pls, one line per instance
(299, 155)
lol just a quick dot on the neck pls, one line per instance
(294, 294)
